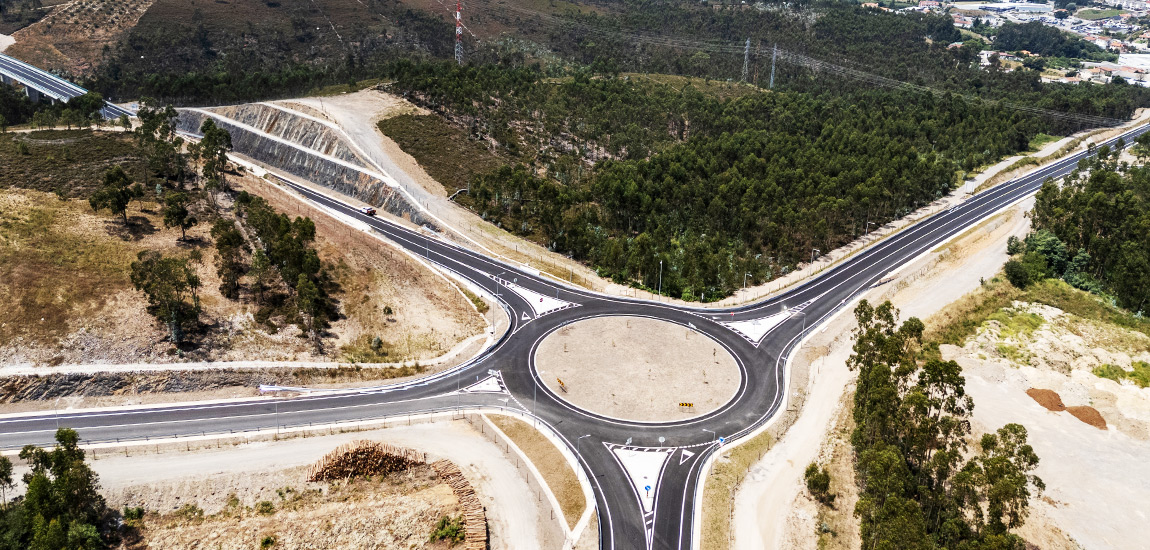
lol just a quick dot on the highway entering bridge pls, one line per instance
(40, 83)
(614, 454)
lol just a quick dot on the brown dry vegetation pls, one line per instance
(556, 472)
(442, 150)
(69, 161)
(388, 512)
(836, 525)
(64, 269)
(71, 39)
(428, 315)
(65, 294)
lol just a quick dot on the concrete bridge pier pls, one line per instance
(33, 94)
(7, 80)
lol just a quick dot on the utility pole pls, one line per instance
(746, 59)
(774, 56)
(459, 32)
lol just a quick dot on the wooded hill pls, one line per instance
(624, 173)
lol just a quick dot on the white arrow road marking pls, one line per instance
(685, 456)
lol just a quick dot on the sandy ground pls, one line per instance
(256, 470)
(637, 368)
(1100, 505)
(765, 504)
(5, 41)
(1097, 480)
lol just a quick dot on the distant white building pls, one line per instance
(1007, 7)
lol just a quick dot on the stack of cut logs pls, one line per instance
(474, 518)
(363, 458)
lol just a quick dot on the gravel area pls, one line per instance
(637, 368)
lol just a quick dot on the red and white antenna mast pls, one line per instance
(459, 32)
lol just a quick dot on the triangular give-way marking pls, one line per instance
(685, 456)
(525, 317)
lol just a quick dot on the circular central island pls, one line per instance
(636, 368)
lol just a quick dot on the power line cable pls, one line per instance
(802, 60)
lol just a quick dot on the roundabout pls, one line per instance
(636, 368)
(627, 365)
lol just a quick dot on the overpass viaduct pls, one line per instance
(40, 84)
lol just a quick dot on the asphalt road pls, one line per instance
(621, 458)
(51, 85)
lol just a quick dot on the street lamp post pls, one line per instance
(578, 441)
(745, 275)
(660, 278)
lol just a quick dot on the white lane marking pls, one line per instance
(540, 304)
(644, 468)
(755, 329)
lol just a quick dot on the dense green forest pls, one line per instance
(1093, 231)
(1038, 38)
(626, 173)
(921, 487)
(204, 54)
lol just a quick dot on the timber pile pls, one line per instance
(474, 518)
(363, 458)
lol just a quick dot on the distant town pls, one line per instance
(1117, 27)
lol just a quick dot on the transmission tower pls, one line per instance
(774, 56)
(746, 59)
(459, 32)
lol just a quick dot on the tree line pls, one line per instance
(61, 508)
(1093, 230)
(921, 486)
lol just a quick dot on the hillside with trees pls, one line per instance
(1041, 39)
(1093, 231)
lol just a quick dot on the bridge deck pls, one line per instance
(51, 85)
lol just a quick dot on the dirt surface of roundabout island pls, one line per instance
(635, 368)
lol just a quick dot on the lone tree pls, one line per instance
(262, 274)
(213, 149)
(176, 213)
(169, 283)
(117, 193)
(5, 480)
(230, 248)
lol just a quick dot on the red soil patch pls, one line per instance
(1088, 415)
(1050, 400)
